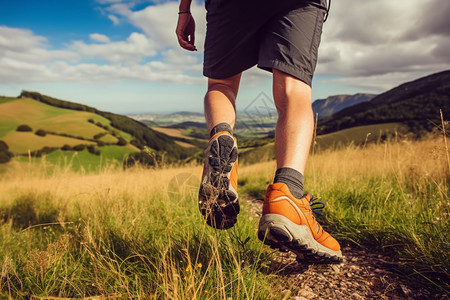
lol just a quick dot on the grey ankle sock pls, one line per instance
(292, 178)
(221, 127)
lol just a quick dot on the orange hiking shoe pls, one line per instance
(289, 224)
(218, 197)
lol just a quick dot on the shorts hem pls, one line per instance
(286, 68)
(222, 75)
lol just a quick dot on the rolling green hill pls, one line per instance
(416, 104)
(358, 136)
(143, 135)
(58, 128)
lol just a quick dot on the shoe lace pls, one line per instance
(315, 204)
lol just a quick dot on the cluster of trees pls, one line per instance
(24, 128)
(43, 151)
(5, 154)
(120, 140)
(91, 148)
(27, 128)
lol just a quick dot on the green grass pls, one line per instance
(139, 242)
(384, 199)
(116, 152)
(21, 142)
(7, 127)
(83, 160)
(131, 234)
(4, 99)
(359, 135)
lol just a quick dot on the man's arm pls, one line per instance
(186, 26)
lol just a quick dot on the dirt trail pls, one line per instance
(362, 275)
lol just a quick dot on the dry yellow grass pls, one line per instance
(185, 145)
(419, 159)
(172, 132)
(422, 159)
(406, 160)
(67, 185)
(21, 109)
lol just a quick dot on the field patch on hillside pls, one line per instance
(21, 142)
(52, 119)
(172, 132)
(359, 135)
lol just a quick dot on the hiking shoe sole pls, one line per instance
(218, 200)
(281, 233)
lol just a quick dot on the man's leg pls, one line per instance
(294, 130)
(295, 125)
(288, 221)
(218, 198)
(220, 101)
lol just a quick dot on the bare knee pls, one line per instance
(290, 93)
(228, 86)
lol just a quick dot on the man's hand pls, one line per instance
(186, 31)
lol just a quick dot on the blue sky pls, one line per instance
(122, 56)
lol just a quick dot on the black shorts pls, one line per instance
(284, 35)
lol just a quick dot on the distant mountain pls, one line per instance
(416, 104)
(169, 119)
(188, 124)
(333, 104)
(186, 114)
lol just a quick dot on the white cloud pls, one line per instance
(179, 56)
(15, 39)
(373, 46)
(25, 57)
(133, 50)
(97, 37)
(159, 21)
(114, 19)
(111, 73)
(380, 43)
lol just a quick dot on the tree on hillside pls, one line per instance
(122, 141)
(24, 128)
(40, 132)
(5, 155)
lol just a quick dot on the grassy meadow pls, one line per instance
(138, 233)
(64, 127)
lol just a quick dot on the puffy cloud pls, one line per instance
(26, 57)
(380, 43)
(97, 37)
(133, 50)
(15, 39)
(159, 21)
(155, 72)
(179, 56)
(374, 45)
(114, 19)
(23, 56)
